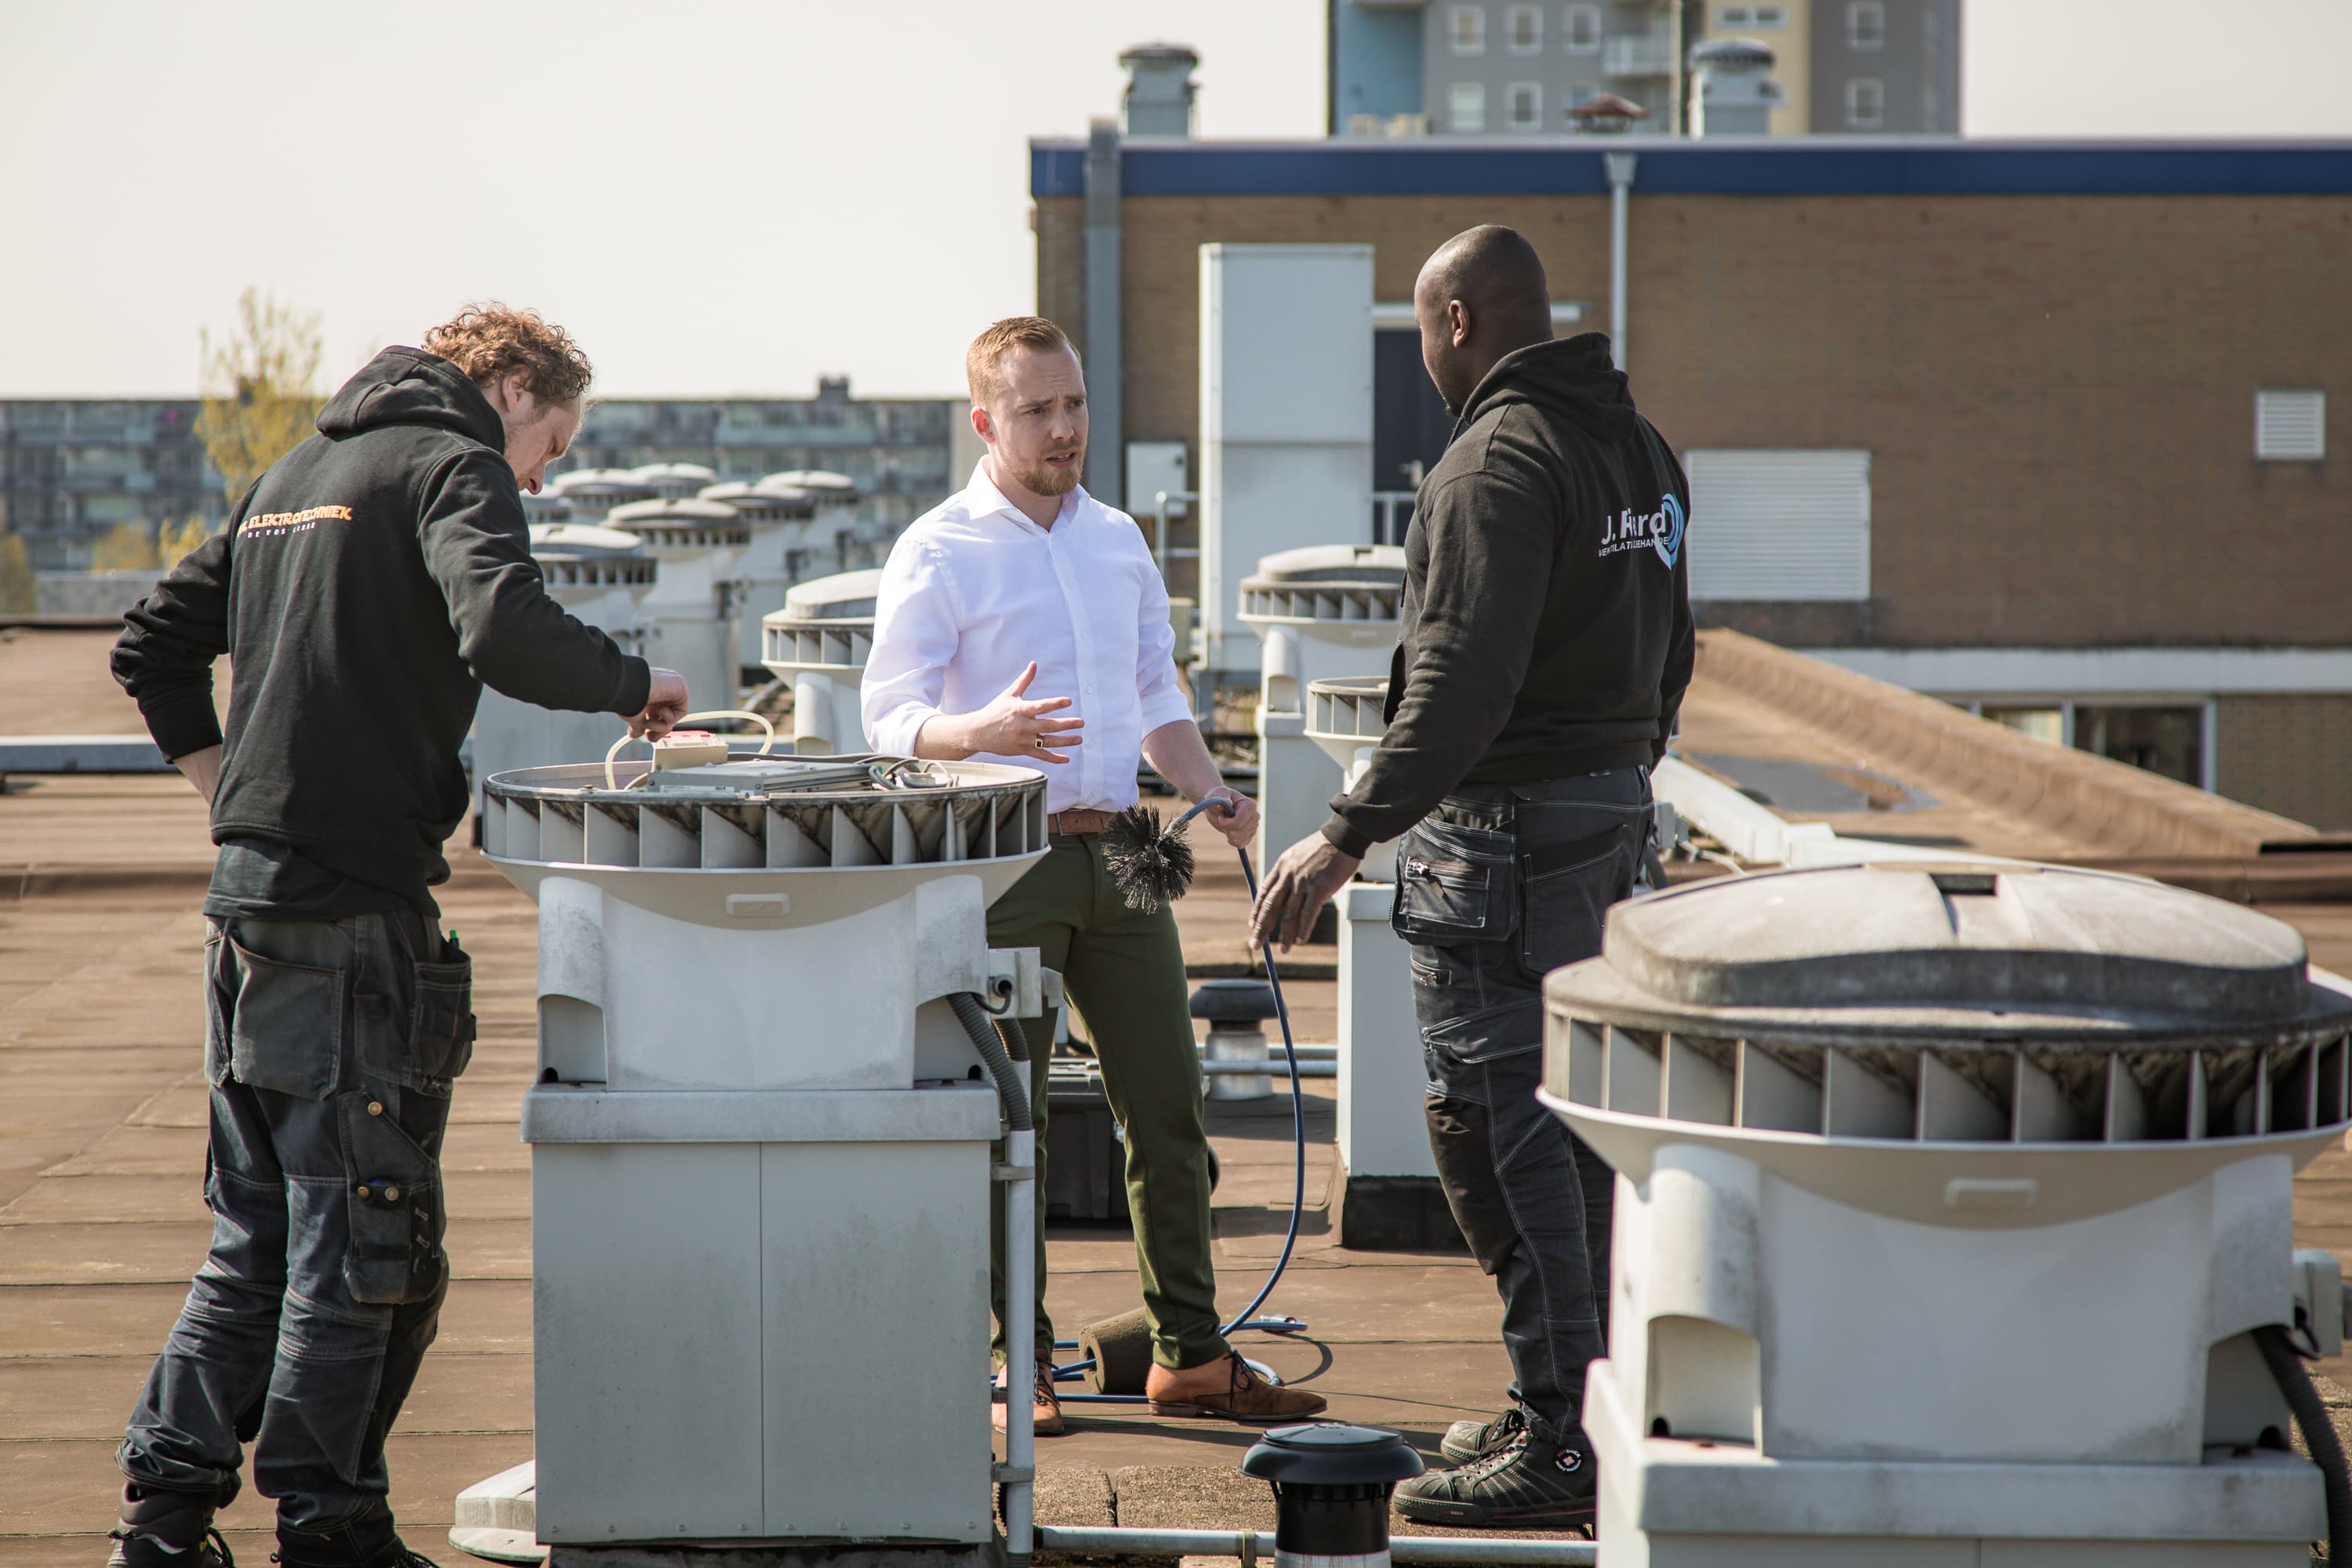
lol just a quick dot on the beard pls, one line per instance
(1041, 478)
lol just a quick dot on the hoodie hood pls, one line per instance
(409, 386)
(1575, 377)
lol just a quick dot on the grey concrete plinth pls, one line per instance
(799, 1555)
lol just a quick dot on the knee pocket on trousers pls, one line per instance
(391, 1195)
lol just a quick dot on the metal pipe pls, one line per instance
(1020, 1329)
(1620, 185)
(1459, 1550)
(1326, 1067)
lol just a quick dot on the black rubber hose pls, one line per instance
(2318, 1434)
(1009, 1086)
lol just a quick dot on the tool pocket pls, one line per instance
(1566, 891)
(1454, 884)
(441, 1026)
(285, 1022)
(392, 1194)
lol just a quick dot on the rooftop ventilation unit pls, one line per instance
(689, 617)
(836, 535)
(1388, 1195)
(758, 1150)
(1324, 611)
(593, 492)
(601, 576)
(779, 519)
(674, 481)
(1950, 1200)
(819, 642)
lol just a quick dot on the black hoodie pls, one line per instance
(368, 585)
(1545, 626)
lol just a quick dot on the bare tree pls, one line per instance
(17, 590)
(259, 382)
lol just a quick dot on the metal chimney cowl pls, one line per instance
(1159, 89)
(1948, 1199)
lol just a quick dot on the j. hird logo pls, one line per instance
(1660, 531)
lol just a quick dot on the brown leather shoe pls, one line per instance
(1048, 1416)
(1246, 1396)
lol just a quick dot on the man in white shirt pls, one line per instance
(1024, 581)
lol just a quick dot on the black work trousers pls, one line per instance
(1496, 886)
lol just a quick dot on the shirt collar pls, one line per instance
(985, 500)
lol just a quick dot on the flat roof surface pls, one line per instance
(103, 1117)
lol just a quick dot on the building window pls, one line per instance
(1526, 99)
(2041, 723)
(1523, 31)
(1581, 93)
(1865, 26)
(1787, 525)
(1865, 103)
(1769, 18)
(1580, 29)
(2290, 426)
(2167, 741)
(1466, 25)
(1466, 106)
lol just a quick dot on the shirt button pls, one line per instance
(392, 1194)
(375, 1108)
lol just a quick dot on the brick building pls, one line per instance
(2043, 429)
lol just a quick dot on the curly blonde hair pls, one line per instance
(489, 340)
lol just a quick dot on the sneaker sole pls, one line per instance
(1437, 1510)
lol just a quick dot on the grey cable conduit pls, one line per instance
(1019, 1472)
(1257, 1545)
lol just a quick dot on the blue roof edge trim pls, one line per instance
(1827, 166)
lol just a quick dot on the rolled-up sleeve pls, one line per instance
(1159, 688)
(914, 637)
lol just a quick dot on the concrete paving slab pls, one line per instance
(1074, 1496)
(72, 1487)
(148, 1253)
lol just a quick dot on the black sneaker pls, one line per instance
(1468, 1440)
(1525, 1484)
(167, 1530)
(367, 1542)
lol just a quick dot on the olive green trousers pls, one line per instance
(1125, 971)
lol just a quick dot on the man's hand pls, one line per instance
(1011, 726)
(665, 702)
(1296, 890)
(202, 769)
(1235, 816)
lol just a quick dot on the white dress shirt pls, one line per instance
(973, 591)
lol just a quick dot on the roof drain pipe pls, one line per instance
(1018, 1473)
(1620, 185)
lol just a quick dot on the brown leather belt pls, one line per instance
(1079, 821)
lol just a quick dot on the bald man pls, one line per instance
(1544, 646)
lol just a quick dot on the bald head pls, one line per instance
(1480, 296)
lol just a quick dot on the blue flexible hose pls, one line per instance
(1248, 1318)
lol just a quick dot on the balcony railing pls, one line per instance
(1638, 55)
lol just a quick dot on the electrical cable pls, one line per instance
(611, 779)
(2318, 1434)
(1247, 1317)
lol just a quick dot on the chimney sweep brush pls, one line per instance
(1152, 865)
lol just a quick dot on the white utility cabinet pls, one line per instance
(1286, 415)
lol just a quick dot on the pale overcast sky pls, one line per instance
(733, 197)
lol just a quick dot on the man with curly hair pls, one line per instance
(366, 588)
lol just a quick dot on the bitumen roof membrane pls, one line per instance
(102, 1116)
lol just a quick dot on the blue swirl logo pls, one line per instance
(1668, 539)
